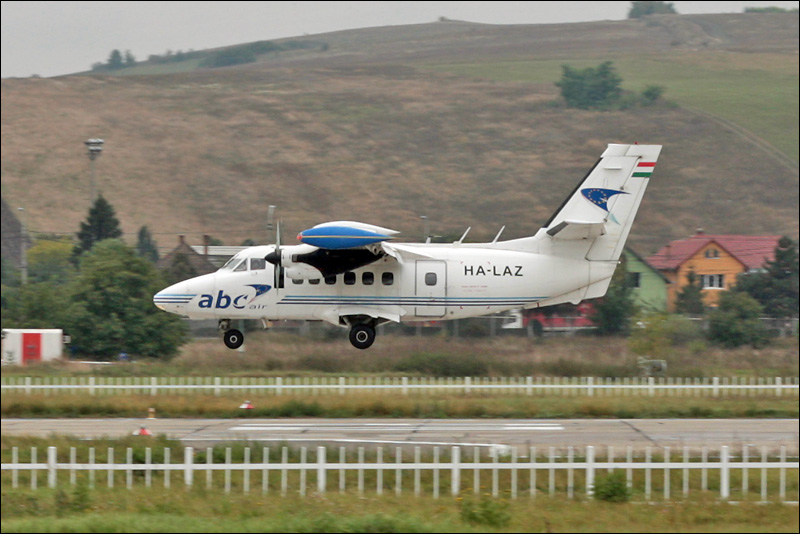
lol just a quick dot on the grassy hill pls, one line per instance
(459, 122)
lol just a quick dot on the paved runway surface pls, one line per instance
(522, 433)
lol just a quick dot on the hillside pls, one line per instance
(392, 123)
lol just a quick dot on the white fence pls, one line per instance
(528, 385)
(747, 476)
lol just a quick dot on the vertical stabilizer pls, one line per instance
(593, 223)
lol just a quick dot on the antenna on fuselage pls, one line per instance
(498, 235)
(463, 236)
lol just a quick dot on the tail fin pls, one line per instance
(594, 221)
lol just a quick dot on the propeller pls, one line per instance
(274, 258)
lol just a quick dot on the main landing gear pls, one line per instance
(362, 336)
(233, 338)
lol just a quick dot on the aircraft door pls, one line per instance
(431, 288)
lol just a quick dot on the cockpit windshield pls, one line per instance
(233, 263)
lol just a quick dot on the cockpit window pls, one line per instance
(231, 263)
(256, 264)
(241, 267)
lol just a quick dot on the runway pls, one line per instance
(503, 433)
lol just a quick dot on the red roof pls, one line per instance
(752, 250)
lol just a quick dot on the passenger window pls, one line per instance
(349, 278)
(297, 282)
(256, 264)
(241, 267)
(368, 278)
(430, 279)
(314, 282)
(387, 279)
(330, 280)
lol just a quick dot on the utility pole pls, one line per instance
(23, 236)
(95, 148)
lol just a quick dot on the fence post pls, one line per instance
(590, 466)
(27, 385)
(778, 386)
(341, 385)
(590, 385)
(217, 381)
(321, 471)
(715, 386)
(467, 384)
(91, 385)
(153, 388)
(279, 385)
(188, 466)
(51, 467)
(455, 478)
(650, 383)
(724, 473)
(405, 385)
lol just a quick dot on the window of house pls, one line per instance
(713, 281)
(712, 253)
(635, 280)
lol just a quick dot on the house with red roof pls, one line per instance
(715, 259)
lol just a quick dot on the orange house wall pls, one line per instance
(725, 264)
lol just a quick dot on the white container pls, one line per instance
(23, 346)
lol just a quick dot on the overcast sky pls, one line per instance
(55, 38)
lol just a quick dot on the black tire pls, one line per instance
(362, 336)
(233, 338)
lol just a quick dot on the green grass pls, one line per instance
(156, 510)
(759, 92)
(383, 405)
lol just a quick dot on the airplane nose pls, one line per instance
(174, 298)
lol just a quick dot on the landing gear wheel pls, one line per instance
(362, 336)
(233, 338)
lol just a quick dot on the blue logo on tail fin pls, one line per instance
(600, 197)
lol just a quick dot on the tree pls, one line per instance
(612, 314)
(50, 259)
(641, 9)
(100, 224)
(736, 321)
(115, 60)
(590, 88)
(146, 246)
(129, 60)
(776, 288)
(111, 306)
(689, 300)
(36, 305)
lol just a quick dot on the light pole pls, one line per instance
(23, 247)
(95, 148)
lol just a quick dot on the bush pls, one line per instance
(490, 512)
(612, 488)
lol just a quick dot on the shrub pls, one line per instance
(612, 488)
(490, 512)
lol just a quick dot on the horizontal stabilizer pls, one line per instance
(577, 230)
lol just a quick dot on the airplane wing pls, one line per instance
(333, 248)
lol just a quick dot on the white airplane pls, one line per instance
(356, 276)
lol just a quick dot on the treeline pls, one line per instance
(232, 55)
